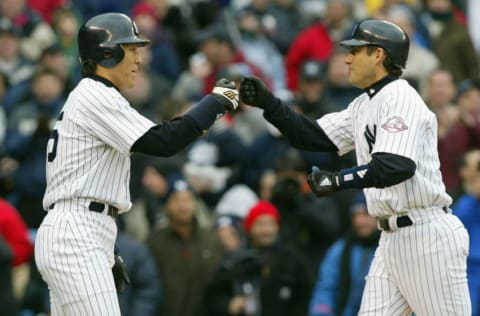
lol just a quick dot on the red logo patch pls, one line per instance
(394, 124)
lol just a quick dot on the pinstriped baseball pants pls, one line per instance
(420, 268)
(74, 254)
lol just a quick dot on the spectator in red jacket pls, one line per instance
(15, 233)
(314, 42)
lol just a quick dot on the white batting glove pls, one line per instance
(227, 94)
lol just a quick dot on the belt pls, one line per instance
(401, 221)
(99, 208)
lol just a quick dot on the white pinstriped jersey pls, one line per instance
(88, 155)
(395, 120)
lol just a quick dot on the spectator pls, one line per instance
(29, 128)
(284, 23)
(310, 98)
(35, 34)
(12, 63)
(16, 249)
(458, 130)
(467, 208)
(339, 19)
(185, 253)
(270, 278)
(450, 40)
(6, 286)
(66, 25)
(154, 181)
(189, 85)
(230, 233)
(164, 61)
(314, 42)
(54, 57)
(236, 202)
(220, 50)
(311, 224)
(342, 273)
(259, 50)
(338, 90)
(215, 162)
(46, 8)
(142, 296)
(421, 62)
(151, 90)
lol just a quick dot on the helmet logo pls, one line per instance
(134, 28)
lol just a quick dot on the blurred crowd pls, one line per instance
(229, 225)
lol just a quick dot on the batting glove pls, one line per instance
(254, 92)
(120, 274)
(227, 94)
(323, 182)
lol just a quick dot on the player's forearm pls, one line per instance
(384, 170)
(168, 138)
(301, 132)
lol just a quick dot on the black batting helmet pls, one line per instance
(384, 34)
(100, 38)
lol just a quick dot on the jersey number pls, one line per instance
(54, 135)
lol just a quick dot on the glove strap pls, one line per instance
(352, 178)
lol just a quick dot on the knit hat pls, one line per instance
(261, 208)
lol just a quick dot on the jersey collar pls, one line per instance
(103, 80)
(377, 86)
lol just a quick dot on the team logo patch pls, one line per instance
(394, 124)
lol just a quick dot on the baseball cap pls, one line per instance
(213, 32)
(313, 70)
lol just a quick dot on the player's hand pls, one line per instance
(120, 274)
(254, 92)
(323, 182)
(227, 94)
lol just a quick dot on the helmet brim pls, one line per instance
(353, 42)
(129, 40)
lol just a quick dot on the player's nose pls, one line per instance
(348, 58)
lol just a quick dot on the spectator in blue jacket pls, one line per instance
(467, 208)
(342, 273)
(142, 295)
(29, 127)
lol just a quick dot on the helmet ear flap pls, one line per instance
(112, 56)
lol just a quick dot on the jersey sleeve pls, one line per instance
(400, 125)
(338, 127)
(113, 120)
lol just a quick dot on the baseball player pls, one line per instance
(88, 166)
(420, 263)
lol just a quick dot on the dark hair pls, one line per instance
(89, 68)
(387, 62)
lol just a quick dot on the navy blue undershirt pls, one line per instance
(385, 169)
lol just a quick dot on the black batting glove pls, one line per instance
(323, 182)
(254, 92)
(226, 92)
(120, 274)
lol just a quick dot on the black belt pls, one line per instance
(99, 208)
(402, 221)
